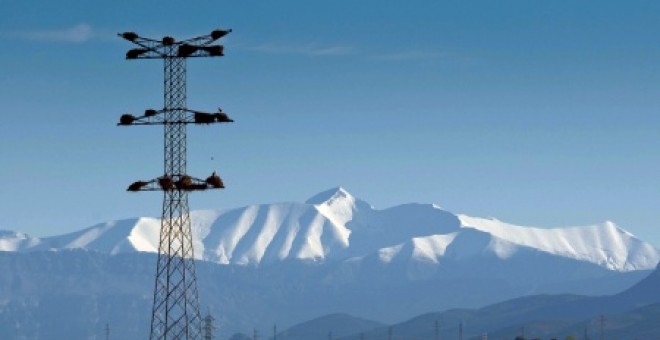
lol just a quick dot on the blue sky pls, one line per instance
(535, 112)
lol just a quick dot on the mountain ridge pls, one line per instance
(336, 253)
(630, 313)
(336, 226)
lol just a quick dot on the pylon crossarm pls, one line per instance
(178, 182)
(168, 47)
(156, 117)
(209, 38)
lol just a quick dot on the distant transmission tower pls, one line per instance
(175, 314)
(208, 326)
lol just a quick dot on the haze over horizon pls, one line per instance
(541, 113)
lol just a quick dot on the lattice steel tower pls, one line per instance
(208, 326)
(175, 313)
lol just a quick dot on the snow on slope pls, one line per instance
(270, 233)
(13, 241)
(336, 226)
(426, 249)
(606, 245)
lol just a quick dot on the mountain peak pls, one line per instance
(330, 195)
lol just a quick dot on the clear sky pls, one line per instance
(542, 113)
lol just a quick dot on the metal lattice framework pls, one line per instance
(208, 326)
(175, 313)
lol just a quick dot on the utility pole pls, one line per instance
(175, 312)
(602, 327)
(586, 333)
(107, 331)
(460, 330)
(437, 330)
(389, 333)
(275, 332)
(330, 335)
(255, 335)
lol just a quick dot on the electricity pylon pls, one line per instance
(175, 314)
(208, 326)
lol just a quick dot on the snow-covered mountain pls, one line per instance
(335, 226)
(288, 262)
